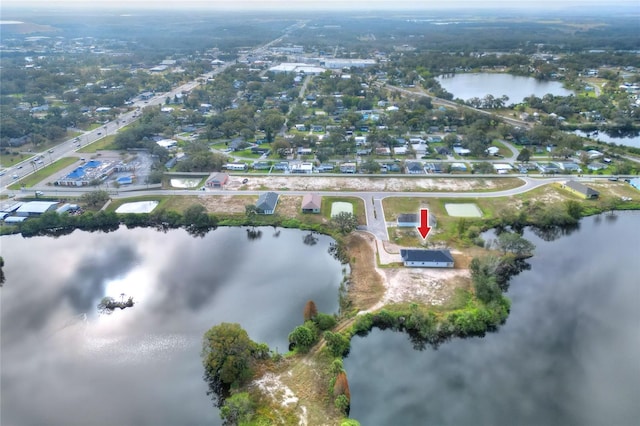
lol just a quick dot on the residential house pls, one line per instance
(267, 203)
(461, 151)
(238, 167)
(261, 165)
(218, 180)
(311, 203)
(302, 168)
(414, 168)
(348, 168)
(594, 167)
(547, 168)
(581, 189)
(433, 168)
(400, 150)
(416, 258)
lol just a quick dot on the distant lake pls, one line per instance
(568, 355)
(478, 85)
(632, 139)
(63, 364)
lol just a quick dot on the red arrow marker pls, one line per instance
(424, 227)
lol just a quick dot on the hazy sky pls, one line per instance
(318, 4)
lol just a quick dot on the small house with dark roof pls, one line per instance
(218, 180)
(418, 258)
(581, 189)
(311, 203)
(267, 203)
(415, 167)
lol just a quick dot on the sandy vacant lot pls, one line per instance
(356, 183)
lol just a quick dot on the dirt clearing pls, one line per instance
(355, 183)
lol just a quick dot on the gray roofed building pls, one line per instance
(267, 202)
(418, 258)
(581, 189)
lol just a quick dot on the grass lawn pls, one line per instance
(11, 160)
(106, 143)
(43, 173)
(504, 151)
(357, 203)
(393, 206)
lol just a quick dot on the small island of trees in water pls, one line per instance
(108, 304)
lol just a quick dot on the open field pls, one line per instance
(356, 183)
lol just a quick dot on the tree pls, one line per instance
(95, 198)
(370, 166)
(341, 386)
(338, 343)
(237, 409)
(516, 244)
(196, 216)
(310, 311)
(302, 338)
(524, 155)
(345, 222)
(250, 210)
(227, 356)
(484, 280)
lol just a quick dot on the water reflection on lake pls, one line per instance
(626, 139)
(63, 364)
(478, 85)
(567, 355)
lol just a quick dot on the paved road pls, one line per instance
(71, 146)
(376, 223)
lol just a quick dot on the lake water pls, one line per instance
(569, 353)
(63, 364)
(478, 85)
(627, 140)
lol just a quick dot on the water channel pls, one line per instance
(478, 85)
(63, 364)
(567, 355)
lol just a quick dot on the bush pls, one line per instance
(337, 343)
(363, 325)
(324, 321)
(302, 338)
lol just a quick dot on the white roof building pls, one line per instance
(167, 143)
(35, 208)
(296, 68)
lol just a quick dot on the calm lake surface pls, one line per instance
(63, 364)
(627, 140)
(569, 353)
(478, 85)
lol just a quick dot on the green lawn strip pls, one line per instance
(106, 143)
(11, 160)
(43, 173)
